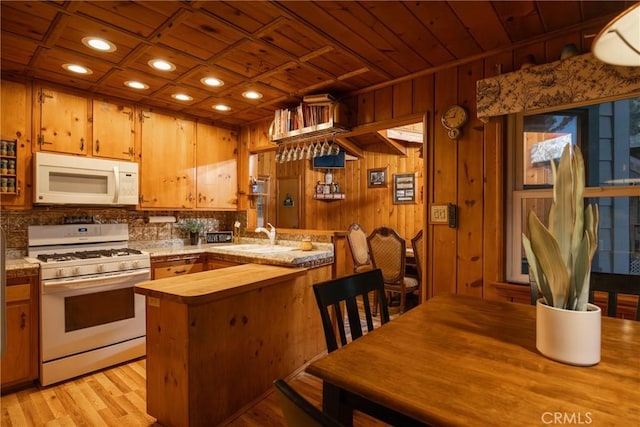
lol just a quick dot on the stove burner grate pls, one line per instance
(55, 257)
(88, 254)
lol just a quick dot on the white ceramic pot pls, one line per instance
(569, 336)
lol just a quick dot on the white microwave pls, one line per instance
(72, 180)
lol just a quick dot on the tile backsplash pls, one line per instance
(15, 223)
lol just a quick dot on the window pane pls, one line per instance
(545, 136)
(614, 144)
(618, 235)
(608, 134)
(618, 232)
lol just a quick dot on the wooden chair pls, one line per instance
(347, 290)
(388, 253)
(417, 243)
(357, 239)
(614, 284)
(298, 411)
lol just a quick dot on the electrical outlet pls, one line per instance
(439, 214)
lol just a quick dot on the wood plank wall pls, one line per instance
(468, 172)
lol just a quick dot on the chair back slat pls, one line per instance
(346, 290)
(614, 284)
(337, 314)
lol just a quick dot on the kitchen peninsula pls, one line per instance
(217, 339)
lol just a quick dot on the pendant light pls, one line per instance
(618, 43)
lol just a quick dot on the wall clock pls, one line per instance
(453, 119)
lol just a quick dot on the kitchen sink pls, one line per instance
(256, 248)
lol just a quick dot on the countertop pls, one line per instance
(21, 264)
(206, 286)
(321, 254)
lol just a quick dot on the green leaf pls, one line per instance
(561, 214)
(538, 275)
(591, 223)
(547, 252)
(581, 275)
(578, 194)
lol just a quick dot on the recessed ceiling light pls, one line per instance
(136, 85)
(252, 94)
(99, 44)
(182, 97)
(211, 81)
(162, 65)
(75, 68)
(221, 107)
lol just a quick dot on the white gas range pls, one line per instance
(90, 317)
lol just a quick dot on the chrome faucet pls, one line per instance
(271, 233)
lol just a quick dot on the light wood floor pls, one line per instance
(116, 397)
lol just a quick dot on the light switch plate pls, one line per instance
(439, 214)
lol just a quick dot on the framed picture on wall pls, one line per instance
(377, 178)
(404, 188)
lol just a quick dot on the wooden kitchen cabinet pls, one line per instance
(214, 264)
(216, 167)
(63, 122)
(113, 131)
(177, 265)
(15, 126)
(20, 360)
(167, 162)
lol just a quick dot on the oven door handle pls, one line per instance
(98, 280)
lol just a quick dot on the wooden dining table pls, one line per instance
(459, 360)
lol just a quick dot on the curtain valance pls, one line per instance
(573, 80)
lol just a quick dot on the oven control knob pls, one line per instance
(60, 272)
(122, 266)
(100, 267)
(135, 264)
(75, 271)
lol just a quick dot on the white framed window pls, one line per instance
(608, 134)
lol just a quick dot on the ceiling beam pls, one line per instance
(350, 146)
(392, 143)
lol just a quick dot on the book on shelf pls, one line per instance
(304, 115)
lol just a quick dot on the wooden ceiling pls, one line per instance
(282, 49)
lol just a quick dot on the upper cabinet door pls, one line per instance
(113, 133)
(217, 167)
(167, 163)
(63, 122)
(15, 126)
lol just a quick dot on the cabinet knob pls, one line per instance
(97, 145)
(23, 320)
(81, 144)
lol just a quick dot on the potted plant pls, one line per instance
(194, 228)
(560, 256)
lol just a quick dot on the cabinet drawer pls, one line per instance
(177, 270)
(214, 264)
(18, 293)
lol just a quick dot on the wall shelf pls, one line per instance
(330, 197)
(309, 121)
(8, 167)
